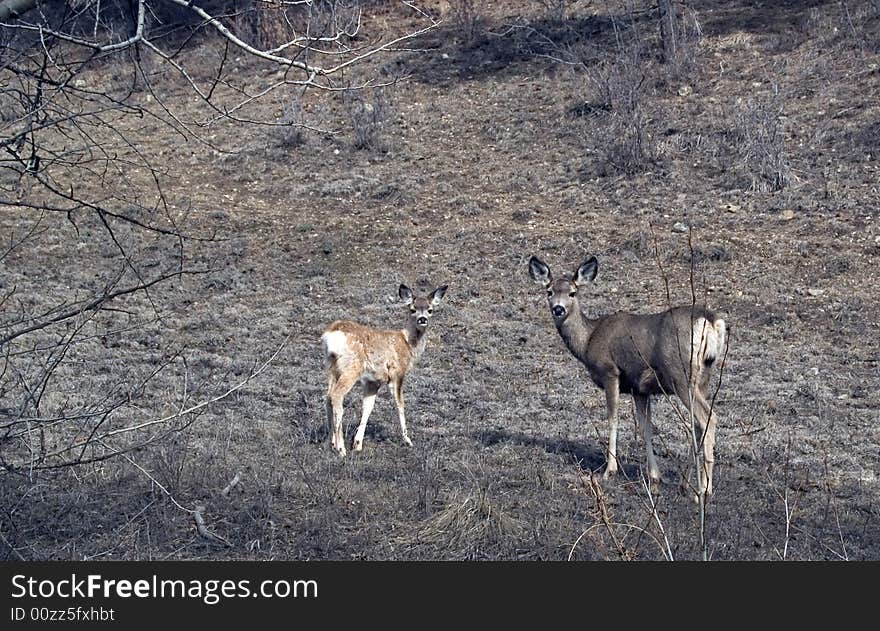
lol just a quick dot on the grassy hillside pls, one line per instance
(511, 131)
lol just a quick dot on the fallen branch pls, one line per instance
(203, 529)
(232, 484)
(196, 513)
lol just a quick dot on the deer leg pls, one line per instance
(370, 390)
(328, 406)
(336, 396)
(707, 422)
(704, 434)
(643, 414)
(612, 394)
(397, 386)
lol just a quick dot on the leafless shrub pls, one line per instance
(368, 112)
(555, 10)
(263, 23)
(680, 33)
(603, 522)
(691, 476)
(855, 23)
(757, 140)
(467, 20)
(860, 23)
(623, 135)
(688, 42)
(171, 459)
(292, 134)
(270, 23)
(811, 21)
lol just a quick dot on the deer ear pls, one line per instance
(437, 295)
(405, 294)
(539, 272)
(587, 271)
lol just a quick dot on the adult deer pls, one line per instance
(374, 357)
(643, 355)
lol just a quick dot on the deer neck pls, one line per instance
(415, 338)
(576, 331)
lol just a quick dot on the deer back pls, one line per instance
(653, 354)
(379, 354)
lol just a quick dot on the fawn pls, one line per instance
(374, 357)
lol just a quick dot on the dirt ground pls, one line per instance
(490, 156)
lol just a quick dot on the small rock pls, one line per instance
(679, 226)
(684, 90)
(815, 293)
(787, 214)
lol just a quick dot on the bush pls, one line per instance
(368, 112)
(292, 134)
(555, 10)
(757, 141)
(623, 135)
(688, 39)
(467, 20)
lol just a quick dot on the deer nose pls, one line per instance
(558, 311)
(422, 321)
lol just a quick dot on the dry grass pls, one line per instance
(483, 169)
(468, 525)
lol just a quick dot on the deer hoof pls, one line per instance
(357, 445)
(609, 473)
(407, 441)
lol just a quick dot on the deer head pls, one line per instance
(562, 293)
(421, 308)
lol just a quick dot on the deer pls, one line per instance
(667, 353)
(375, 357)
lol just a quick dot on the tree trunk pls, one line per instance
(269, 24)
(668, 25)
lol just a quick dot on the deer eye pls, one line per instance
(430, 311)
(571, 294)
(549, 292)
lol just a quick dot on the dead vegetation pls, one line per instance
(501, 144)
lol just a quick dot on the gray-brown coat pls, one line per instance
(668, 353)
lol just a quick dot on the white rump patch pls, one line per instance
(335, 343)
(709, 340)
